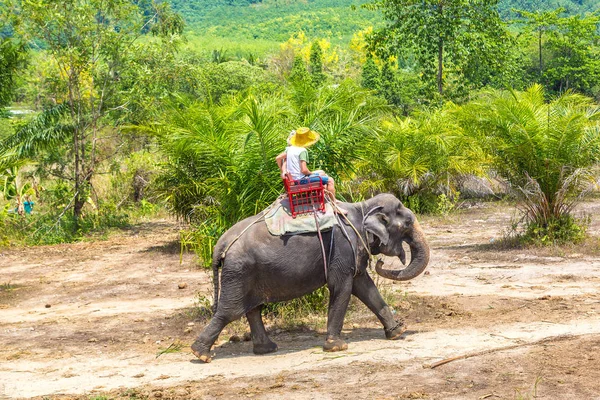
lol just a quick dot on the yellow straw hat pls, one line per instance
(304, 137)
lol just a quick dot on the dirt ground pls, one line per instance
(88, 320)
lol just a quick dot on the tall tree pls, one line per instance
(541, 24)
(88, 41)
(316, 64)
(568, 50)
(371, 76)
(389, 84)
(442, 35)
(12, 58)
(299, 74)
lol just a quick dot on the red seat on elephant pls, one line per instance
(305, 195)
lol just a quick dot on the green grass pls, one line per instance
(235, 47)
(174, 347)
(7, 287)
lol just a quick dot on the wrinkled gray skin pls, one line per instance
(260, 268)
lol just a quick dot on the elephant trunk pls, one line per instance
(419, 258)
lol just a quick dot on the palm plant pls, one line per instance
(221, 158)
(347, 117)
(425, 156)
(221, 165)
(545, 149)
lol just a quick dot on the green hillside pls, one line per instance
(276, 20)
(571, 6)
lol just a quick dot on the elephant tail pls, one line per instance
(216, 263)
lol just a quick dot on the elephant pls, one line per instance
(259, 268)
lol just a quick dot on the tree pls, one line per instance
(221, 166)
(371, 76)
(88, 41)
(546, 150)
(220, 162)
(12, 59)
(570, 47)
(316, 64)
(400, 88)
(443, 35)
(389, 88)
(299, 73)
(425, 157)
(540, 24)
(576, 56)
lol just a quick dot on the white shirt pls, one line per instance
(294, 156)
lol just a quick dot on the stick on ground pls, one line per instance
(489, 351)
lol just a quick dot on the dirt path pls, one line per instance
(89, 318)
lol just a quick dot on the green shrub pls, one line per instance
(51, 224)
(421, 159)
(561, 230)
(431, 203)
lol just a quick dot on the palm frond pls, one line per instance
(46, 130)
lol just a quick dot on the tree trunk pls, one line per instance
(440, 68)
(77, 208)
(440, 84)
(79, 181)
(540, 52)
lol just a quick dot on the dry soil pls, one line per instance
(89, 320)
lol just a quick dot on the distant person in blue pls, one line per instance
(25, 207)
(28, 205)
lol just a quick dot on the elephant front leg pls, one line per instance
(339, 297)
(260, 339)
(364, 288)
(201, 347)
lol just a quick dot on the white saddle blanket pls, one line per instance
(279, 220)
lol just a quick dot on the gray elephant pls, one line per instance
(260, 268)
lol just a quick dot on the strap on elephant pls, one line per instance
(261, 218)
(224, 253)
(321, 241)
(365, 215)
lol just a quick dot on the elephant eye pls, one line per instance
(384, 219)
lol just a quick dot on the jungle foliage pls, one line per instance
(114, 115)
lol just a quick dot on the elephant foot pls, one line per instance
(396, 332)
(199, 351)
(264, 348)
(335, 345)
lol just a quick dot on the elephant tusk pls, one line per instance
(402, 255)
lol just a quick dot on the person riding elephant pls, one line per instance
(293, 162)
(259, 268)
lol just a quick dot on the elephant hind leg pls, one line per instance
(260, 339)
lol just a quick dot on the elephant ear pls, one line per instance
(375, 224)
